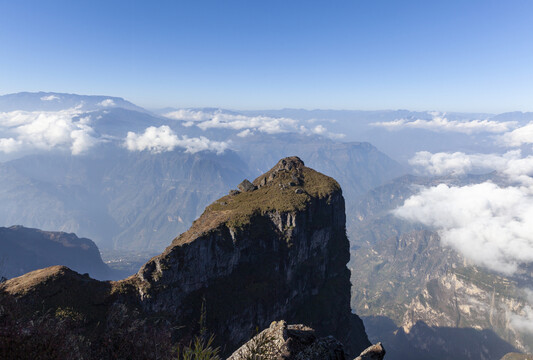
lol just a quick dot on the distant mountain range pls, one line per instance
(138, 199)
(131, 179)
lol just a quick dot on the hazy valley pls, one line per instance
(131, 180)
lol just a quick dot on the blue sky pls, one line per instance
(420, 55)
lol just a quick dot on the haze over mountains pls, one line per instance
(131, 179)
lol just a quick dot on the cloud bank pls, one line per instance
(189, 115)
(440, 123)
(459, 163)
(517, 137)
(161, 139)
(9, 145)
(487, 223)
(46, 130)
(265, 124)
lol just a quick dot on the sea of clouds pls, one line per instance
(489, 223)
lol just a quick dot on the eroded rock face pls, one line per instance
(374, 352)
(289, 342)
(259, 256)
(298, 342)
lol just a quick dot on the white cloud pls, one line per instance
(523, 321)
(442, 124)
(264, 124)
(46, 130)
(160, 139)
(50, 98)
(107, 103)
(517, 137)
(8, 145)
(460, 163)
(189, 115)
(245, 133)
(82, 140)
(512, 165)
(221, 120)
(486, 223)
(319, 129)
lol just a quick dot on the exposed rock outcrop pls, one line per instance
(517, 356)
(374, 352)
(290, 342)
(298, 342)
(246, 186)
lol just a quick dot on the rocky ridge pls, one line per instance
(277, 251)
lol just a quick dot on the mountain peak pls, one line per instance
(288, 187)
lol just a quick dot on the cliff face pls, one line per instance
(278, 251)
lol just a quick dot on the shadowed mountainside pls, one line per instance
(23, 250)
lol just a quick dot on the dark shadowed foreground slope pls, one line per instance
(276, 250)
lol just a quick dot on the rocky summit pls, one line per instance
(276, 250)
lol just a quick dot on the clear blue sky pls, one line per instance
(455, 55)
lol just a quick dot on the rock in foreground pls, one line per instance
(298, 342)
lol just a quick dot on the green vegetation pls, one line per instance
(69, 313)
(199, 349)
(279, 194)
(279, 190)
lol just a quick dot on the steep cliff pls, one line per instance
(278, 251)
(275, 250)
